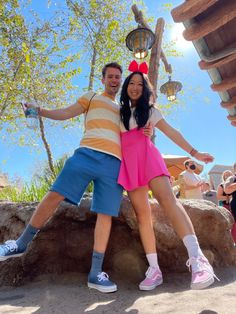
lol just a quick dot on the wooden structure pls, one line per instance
(175, 164)
(157, 53)
(215, 174)
(211, 26)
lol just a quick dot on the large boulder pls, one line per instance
(65, 243)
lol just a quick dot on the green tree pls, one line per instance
(100, 25)
(39, 58)
(33, 66)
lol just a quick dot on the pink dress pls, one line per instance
(141, 160)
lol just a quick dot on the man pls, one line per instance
(97, 159)
(230, 188)
(191, 183)
(208, 194)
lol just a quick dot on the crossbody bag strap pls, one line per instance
(88, 109)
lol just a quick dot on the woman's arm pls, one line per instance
(230, 185)
(220, 195)
(59, 114)
(178, 139)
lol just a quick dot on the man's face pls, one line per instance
(191, 166)
(112, 81)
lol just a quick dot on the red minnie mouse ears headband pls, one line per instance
(135, 67)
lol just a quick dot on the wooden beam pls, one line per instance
(232, 120)
(167, 66)
(138, 16)
(225, 84)
(216, 64)
(154, 62)
(229, 104)
(190, 9)
(219, 17)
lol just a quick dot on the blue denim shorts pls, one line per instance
(88, 165)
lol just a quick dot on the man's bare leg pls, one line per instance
(43, 212)
(45, 209)
(97, 279)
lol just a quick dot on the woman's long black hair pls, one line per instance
(143, 107)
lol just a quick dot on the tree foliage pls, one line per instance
(33, 65)
(41, 56)
(100, 25)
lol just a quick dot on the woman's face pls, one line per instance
(135, 88)
(227, 174)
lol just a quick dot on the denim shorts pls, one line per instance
(88, 165)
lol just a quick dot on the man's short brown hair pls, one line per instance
(186, 163)
(111, 65)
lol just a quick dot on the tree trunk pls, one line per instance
(91, 75)
(46, 145)
(4, 105)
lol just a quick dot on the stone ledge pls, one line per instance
(66, 241)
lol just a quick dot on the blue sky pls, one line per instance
(198, 116)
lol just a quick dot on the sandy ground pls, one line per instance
(68, 294)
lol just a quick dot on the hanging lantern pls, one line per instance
(170, 89)
(139, 41)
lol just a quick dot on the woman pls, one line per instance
(223, 198)
(142, 167)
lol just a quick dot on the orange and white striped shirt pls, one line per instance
(102, 123)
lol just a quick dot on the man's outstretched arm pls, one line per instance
(59, 114)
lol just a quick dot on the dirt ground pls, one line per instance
(68, 294)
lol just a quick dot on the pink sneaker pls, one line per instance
(152, 280)
(202, 272)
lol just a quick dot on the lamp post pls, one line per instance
(139, 41)
(170, 89)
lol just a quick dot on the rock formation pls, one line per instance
(65, 243)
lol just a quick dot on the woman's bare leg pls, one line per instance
(202, 272)
(140, 203)
(162, 191)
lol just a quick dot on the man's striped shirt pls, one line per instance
(102, 123)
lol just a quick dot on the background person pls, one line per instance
(191, 183)
(230, 188)
(208, 194)
(175, 184)
(223, 198)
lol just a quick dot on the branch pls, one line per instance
(4, 106)
(138, 16)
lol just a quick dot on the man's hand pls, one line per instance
(26, 105)
(148, 130)
(199, 184)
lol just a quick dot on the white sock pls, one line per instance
(192, 245)
(152, 260)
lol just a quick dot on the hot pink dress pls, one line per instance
(141, 160)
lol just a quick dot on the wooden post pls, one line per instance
(157, 53)
(154, 62)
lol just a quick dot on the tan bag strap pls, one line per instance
(88, 109)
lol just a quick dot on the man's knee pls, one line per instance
(103, 218)
(52, 198)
